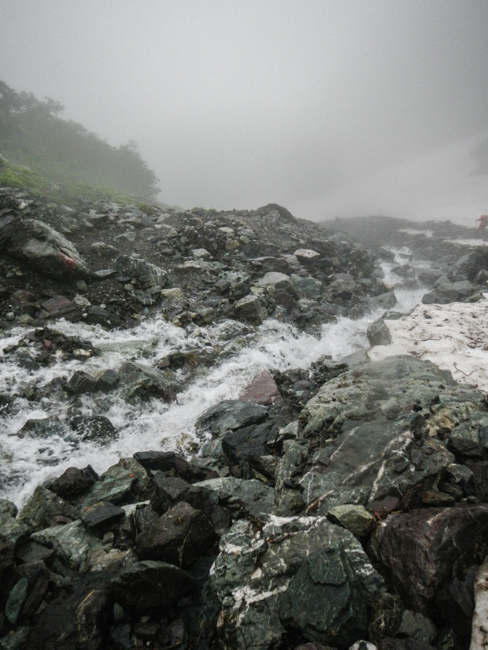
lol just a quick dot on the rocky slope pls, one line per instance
(197, 266)
(333, 505)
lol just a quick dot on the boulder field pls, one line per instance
(342, 506)
(363, 520)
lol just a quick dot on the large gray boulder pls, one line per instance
(447, 292)
(250, 310)
(378, 333)
(379, 426)
(301, 574)
(41, 247)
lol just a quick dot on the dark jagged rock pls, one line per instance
(241, 497)
(108, 380)
(81, 382)
(156, 460)
(150, 585)
(80, 620)
(73, 543)
(181, 536)
(115, 485)
(30, 552)
(7, 509)
(45, 508)
(168, 491)
(17, 640)
(139, 381)
(100, 316)
(73, 482)
(249, 443)
(102, 516)
(7, 563)
(417, 626)
(44, 428)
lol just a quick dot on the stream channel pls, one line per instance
(153, 424)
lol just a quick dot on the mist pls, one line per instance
(330, 107)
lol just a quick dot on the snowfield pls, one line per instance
(453, 336)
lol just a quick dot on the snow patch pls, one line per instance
(452, 336)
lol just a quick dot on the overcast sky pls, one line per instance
(237, 103)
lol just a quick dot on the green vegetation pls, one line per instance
(49, 154)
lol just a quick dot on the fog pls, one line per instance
(329, 107)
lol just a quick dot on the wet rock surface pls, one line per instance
(302, 578)
(334, 505)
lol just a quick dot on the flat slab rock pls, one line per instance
(231, 415)
(252, 497)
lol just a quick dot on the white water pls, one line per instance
(155, 425)
(468, 242)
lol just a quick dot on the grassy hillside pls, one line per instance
(42, 152)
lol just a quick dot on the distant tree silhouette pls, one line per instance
(33, 133)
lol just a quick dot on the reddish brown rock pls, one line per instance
(61, 308)
(421, 549)
(261, 390)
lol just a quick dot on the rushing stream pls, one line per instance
(155, 425)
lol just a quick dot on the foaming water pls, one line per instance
(153, 424)
(407, 299)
